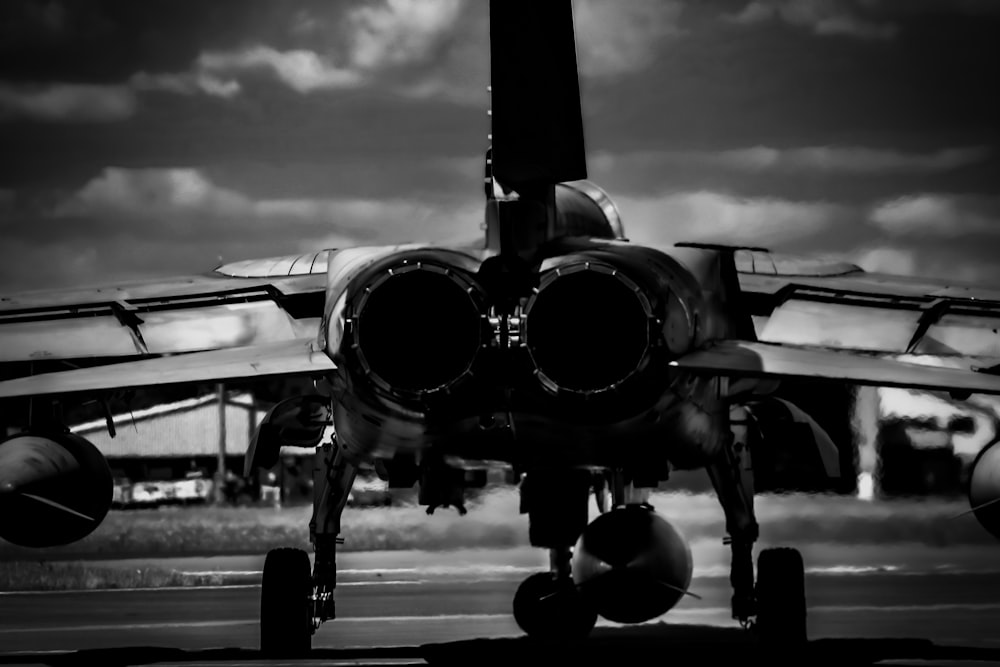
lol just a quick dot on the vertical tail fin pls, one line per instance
(537, 122)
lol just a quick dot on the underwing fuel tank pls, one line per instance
(632, 565)
(55, 489)
(984, 488)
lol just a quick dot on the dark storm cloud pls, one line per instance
(73, 102)
(777, 132)
(181, 221)
(961, 260)
(188, 47)
(844, 174)
(273, 127)
(87, 61)
(247, 82)
(939, 216)
(858, 19)
(432, 48)
(268, 97)
(321, 123)
(823, 17)
(939, 235)
(106, 41)
(732, 86)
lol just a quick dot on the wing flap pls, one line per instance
(737, 358)
(155, 326)
(294, 357)
(98, 336)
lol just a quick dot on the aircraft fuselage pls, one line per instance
(572, 369)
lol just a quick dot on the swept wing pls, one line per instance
(294, 357)
(245, 303)
(730, 358)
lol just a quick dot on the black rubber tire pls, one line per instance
(285, 607)
(781, 596)
(547, 610)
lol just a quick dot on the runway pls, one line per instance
(381, 607)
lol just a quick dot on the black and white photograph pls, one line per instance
(499, 332)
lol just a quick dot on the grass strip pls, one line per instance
(495, 522)
(42, 576)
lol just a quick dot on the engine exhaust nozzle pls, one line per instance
(589, 328)
(418, 327)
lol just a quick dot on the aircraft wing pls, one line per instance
(730, 358)
(804, 301)
(736, 358)
(293, 357)
(245, 303)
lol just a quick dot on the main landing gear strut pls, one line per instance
(294, 602)
(774, 608)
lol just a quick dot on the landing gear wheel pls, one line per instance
(781, 596)
(286, 625)
(549, 609)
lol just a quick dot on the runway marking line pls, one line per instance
(134, 590)
(829, 571)
(697, 611)
(219, 624)
(403, 582)
(260, 661)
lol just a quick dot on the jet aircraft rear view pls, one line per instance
(592, 365)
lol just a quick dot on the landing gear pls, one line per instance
(775, 608)
(333, 477)
(781, 596)
(286, 625)
(628, 566)
(548, 607)
(732, 478)
(296, 598)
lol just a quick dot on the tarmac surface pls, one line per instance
(393, 609)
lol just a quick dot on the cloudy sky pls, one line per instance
(159, 137)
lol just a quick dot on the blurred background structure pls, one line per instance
(190, 450)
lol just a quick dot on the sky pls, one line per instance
(158, 138)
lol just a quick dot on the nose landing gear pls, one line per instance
(548, 605)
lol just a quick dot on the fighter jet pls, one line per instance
(588, 363)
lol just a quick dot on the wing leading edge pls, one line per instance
(736, 358)
(731, 358)
(294, 357)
